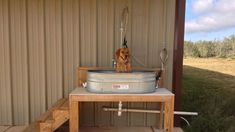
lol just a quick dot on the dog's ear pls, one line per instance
(129, 54)
(118, 53)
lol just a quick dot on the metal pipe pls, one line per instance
(119, 108)
(185, 120)
(124, 22)
(148, 111)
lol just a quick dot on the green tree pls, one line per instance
(202, 48)
(190, 49)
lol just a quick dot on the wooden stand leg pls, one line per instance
(161, 116)
(169, 115)
(74, 116)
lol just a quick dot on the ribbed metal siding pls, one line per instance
(43, 41)
(36, 58)
(19, 61)
(53, 50)
(5, 66)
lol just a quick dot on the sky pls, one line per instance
(209, 19)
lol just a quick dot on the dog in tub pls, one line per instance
(123, 59)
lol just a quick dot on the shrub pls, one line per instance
(224, 48)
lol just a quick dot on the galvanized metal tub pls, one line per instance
(102, 81)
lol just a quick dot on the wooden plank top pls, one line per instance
(82, 91)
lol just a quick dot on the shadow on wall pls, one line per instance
(212, 95)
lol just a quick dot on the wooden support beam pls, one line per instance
(178, 54)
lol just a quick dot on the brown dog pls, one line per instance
(123, 60)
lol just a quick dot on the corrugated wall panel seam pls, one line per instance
(26, 70)
(70, 44)
(147, 34)
(96, 34)
(19, 61)
(36, 55)
(62, 52)
(65, 45)
(10, 62)
(76, 39)
(40, 55)
(11, 66)
(1, 61)
(28, 65)
(5, 73)
(80, 35)
(53, 49)
(45, 53)
(170, 40)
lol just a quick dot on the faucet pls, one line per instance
(114, 63)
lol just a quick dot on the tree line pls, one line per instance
(217, 48)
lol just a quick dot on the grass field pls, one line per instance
(209, 89)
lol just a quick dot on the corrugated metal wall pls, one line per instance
(43, 41)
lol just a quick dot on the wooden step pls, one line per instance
(52, 118)
(47, 124)
(48, 113)
(60, 117)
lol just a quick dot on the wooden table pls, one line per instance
(161, 95)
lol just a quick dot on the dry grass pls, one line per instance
(226, 66)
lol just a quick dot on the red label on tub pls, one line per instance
(120, 86)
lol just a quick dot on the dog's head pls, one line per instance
(123, 53)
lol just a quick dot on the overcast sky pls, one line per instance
(209, 19)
